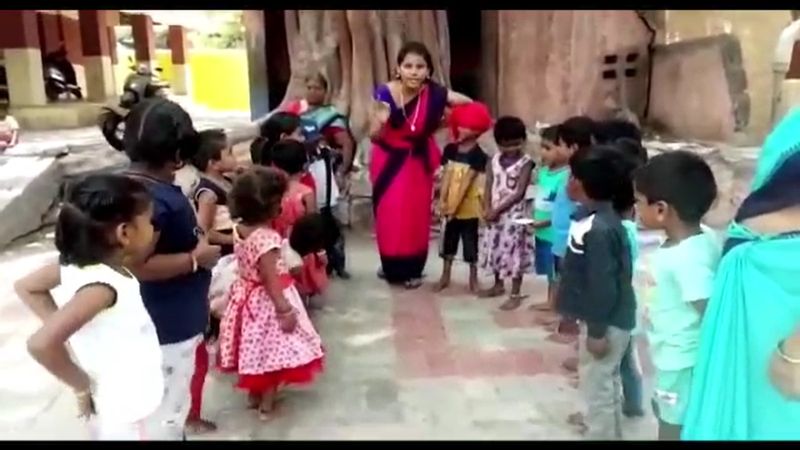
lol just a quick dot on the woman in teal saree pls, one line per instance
(746, 380)
(330, 123)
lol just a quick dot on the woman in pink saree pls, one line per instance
(404, 159)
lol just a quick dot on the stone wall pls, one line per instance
(758, 33)
(699, 89)
(549, 65)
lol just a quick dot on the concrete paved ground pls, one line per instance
(400, 365)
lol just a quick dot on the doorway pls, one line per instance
(464, 26)
(277, 53)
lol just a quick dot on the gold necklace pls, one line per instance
(416, 109)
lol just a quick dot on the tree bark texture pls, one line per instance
(357, 50)
(543, 66)
(550, 63)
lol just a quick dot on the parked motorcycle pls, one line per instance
(141, 84)
(59, 77)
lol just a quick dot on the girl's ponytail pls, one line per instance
(91, 209)
(75, 235)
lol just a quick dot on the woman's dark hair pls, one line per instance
(93, 207)
(308, 234)
(290, 156)
(212, 143)
(509, 129)
(271, 131)
(415, 48)
(577, 131)
(549, 134)
(681, 179)
(256, 195)
(157, 132)
(320, 78)
(604, 172)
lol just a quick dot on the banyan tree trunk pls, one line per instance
(357, 49)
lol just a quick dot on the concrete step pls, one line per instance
(32, 173)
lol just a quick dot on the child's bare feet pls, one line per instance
(200, 426)
(542, 307)
(576, 419)
(443, 284)
(547, 318)
(514, 301)
(492, 292)
(562, 338)
(570, 364)
(474, 284)
(253, 400)
(266, 410)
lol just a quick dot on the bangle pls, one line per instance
(784, 356)
(288, 312)
(83, 394)
(194, 262)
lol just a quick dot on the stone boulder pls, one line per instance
(29, 186)
(699, 89)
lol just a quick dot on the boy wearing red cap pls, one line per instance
(464, 163)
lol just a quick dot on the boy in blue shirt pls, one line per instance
(683, 269)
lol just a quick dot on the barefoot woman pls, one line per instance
(406, 114)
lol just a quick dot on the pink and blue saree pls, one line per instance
(402, 166)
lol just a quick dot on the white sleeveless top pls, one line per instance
(118, 348)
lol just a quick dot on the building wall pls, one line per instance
(758, 33)
(219, 77)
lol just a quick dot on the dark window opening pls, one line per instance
(464, 26)
(630, 73)
(610, 59)
(609, 74)
(632, 57)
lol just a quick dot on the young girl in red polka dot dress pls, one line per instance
(265, 334)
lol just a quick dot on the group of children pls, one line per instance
(136, 260)
(130, 292)
(580, 232)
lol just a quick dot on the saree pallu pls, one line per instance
(755, 304)
(402, 166)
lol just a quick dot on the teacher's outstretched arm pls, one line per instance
(456, 98)
(379, 114)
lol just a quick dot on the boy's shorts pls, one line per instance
(671, 396)
(465, 231)
(544, 260)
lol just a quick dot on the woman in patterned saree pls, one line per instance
(329, 122)
(406, 113)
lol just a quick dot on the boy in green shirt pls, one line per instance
(550, 178)
(673, 193)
